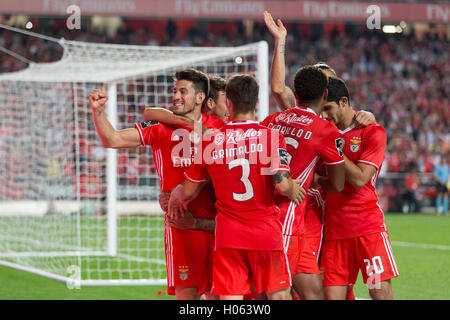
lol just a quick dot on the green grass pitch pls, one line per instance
(421, 246)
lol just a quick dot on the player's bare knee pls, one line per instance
(283, 294)
(186, 293)
(382, 292)
(335, 292)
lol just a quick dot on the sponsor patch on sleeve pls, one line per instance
(145, 124)
(284, 157)
(340, 146)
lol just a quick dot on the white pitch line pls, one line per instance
(420, 245)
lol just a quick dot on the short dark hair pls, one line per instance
(216, 84)
(243, 90)
(337, 89)
(310, 83)
(324, 66)
(199, 79)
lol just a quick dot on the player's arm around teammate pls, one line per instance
(167, 116)
(178, 215)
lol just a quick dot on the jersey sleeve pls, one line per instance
(280, 155)
(374, 145)
(331, 145)
(148, 132)
(196, 173)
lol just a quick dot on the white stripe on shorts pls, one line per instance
(387, 246)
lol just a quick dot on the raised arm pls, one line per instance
(167, 117)
(110, 137)
(283, 94)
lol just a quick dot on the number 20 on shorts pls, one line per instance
(374, 267)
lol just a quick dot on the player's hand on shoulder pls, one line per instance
(97, 100)
(276, 29)
(363, 119)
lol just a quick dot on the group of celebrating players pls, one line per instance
(281, 209)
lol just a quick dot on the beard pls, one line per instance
(187, 108)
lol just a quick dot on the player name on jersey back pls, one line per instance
(309, 140)
(241, 158)
(256, 144)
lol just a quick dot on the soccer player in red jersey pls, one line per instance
(309, 278)
(214, 105)
(356, 235)
(246, 163)
(309, 139)
(188, 252)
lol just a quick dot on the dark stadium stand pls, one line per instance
(403, 79)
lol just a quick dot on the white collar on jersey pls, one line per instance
(242, 122)
(348, 129)
(307, 109)
(199, 120)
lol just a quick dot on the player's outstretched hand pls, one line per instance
(97, 100)
(363, 118)
(276, 29)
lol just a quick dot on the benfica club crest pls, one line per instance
(354, 144)
(183, 272)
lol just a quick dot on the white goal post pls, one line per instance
(71, 210)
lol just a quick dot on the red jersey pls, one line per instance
(242, 158)
(309, 139)
(353, 213)
(173, 152)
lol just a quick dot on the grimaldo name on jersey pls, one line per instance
(222, 147)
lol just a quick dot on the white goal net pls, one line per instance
(70, 209)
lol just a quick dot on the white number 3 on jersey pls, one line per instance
(245, 165)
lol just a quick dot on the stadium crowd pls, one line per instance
(402, 79)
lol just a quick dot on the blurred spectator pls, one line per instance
(441, 173)
(403, 80)
(412, 186)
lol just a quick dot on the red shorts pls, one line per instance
(302, 254)
(372, 254)
(236, 271)
(189, 258)
(309, 255)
